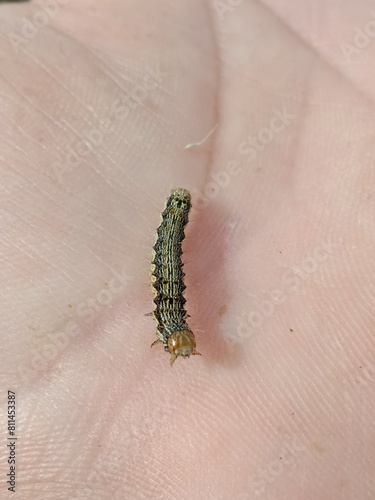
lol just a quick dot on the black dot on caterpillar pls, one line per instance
(167, 279)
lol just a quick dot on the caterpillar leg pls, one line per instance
(157, 341)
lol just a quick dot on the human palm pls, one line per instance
(98, 106)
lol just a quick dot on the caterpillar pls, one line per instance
(167, 278)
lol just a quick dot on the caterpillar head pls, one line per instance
(182, 343)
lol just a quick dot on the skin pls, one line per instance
(279, 262)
